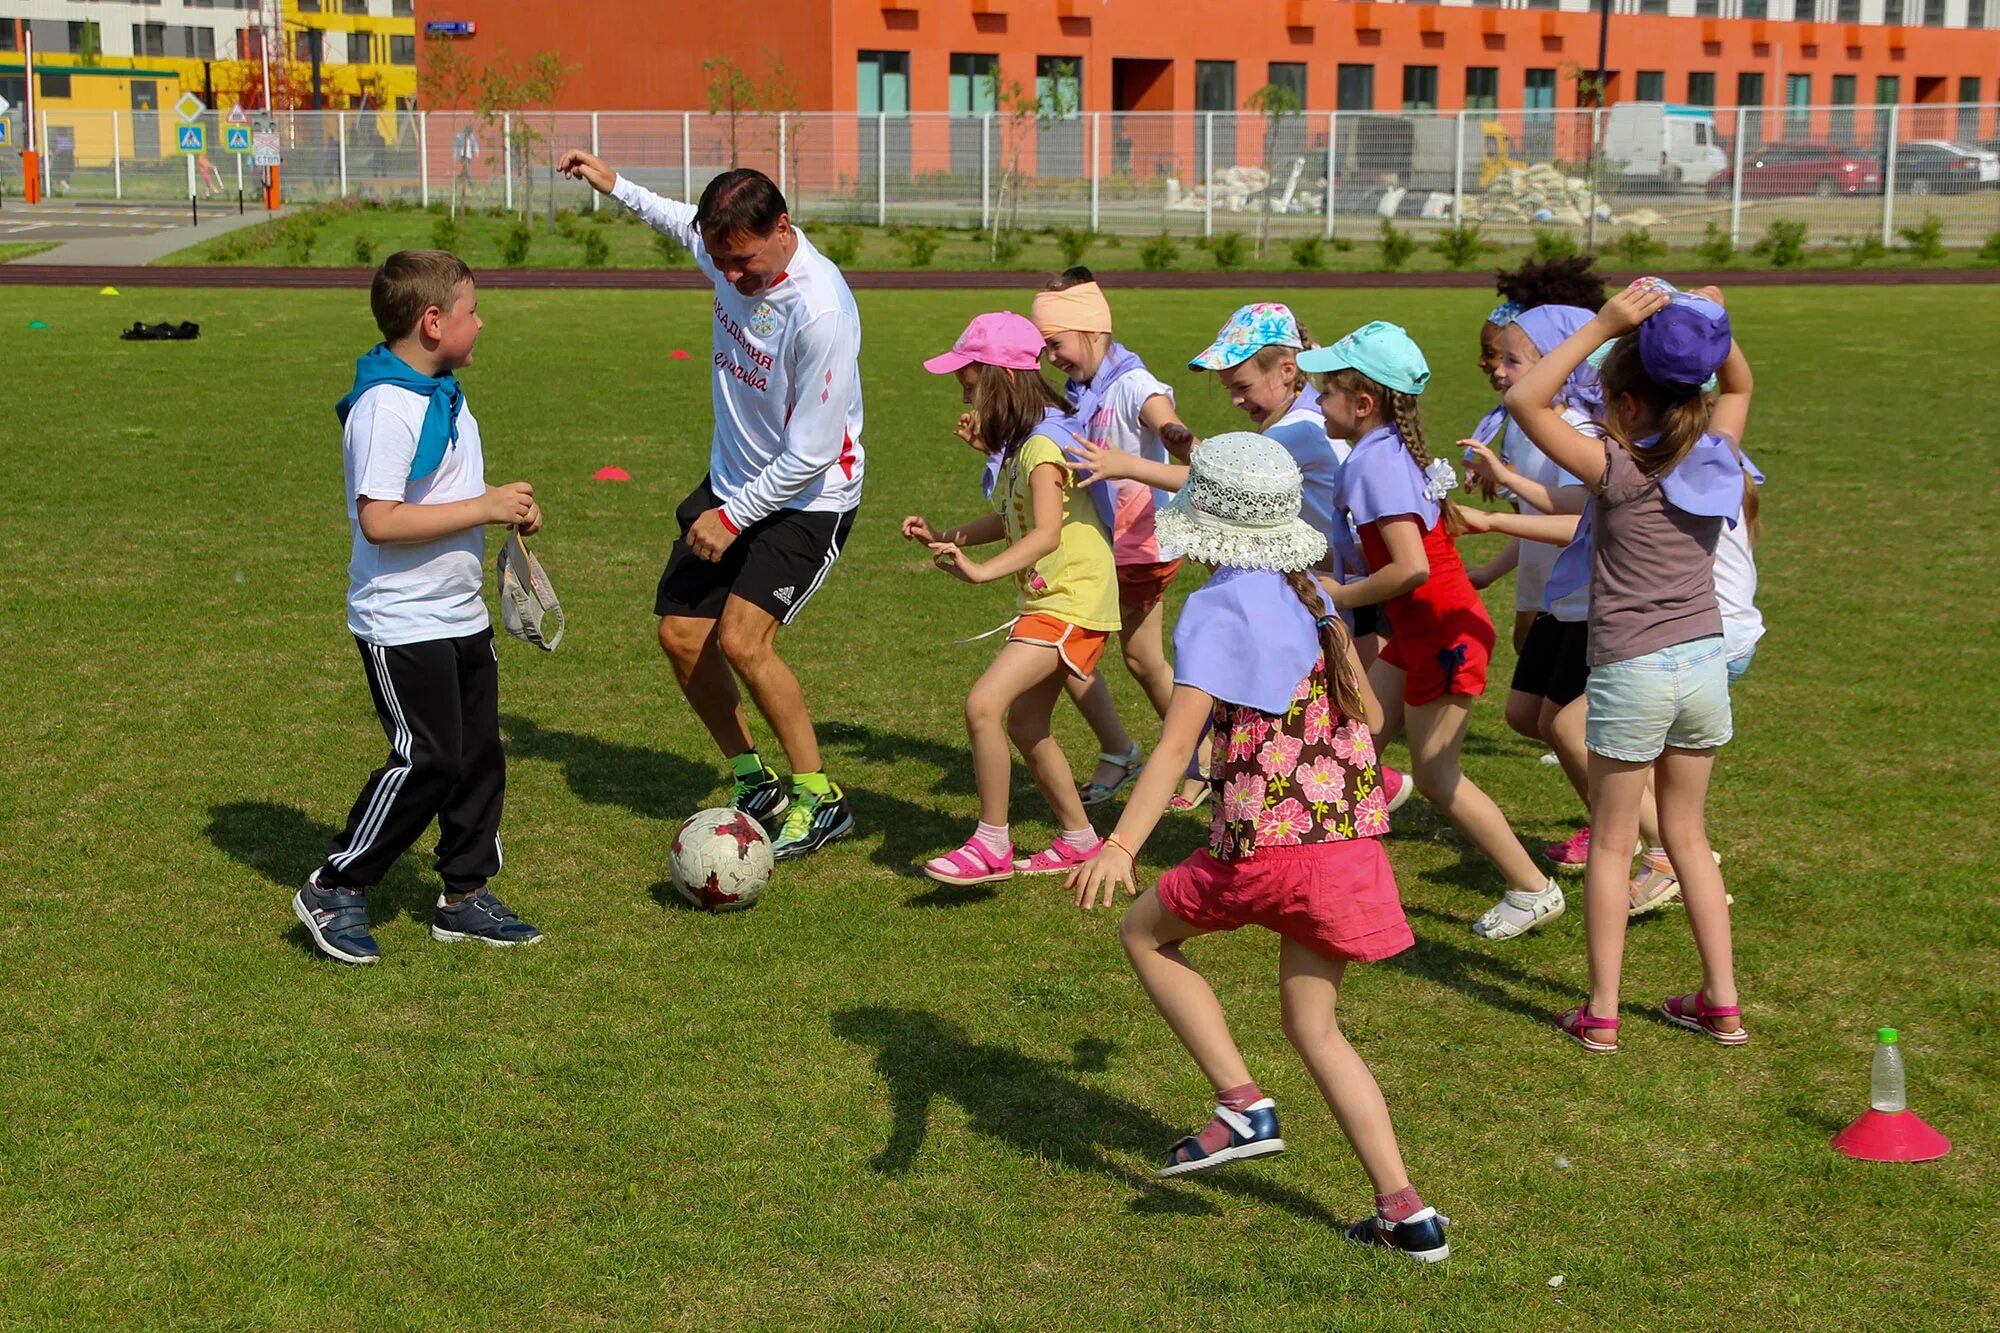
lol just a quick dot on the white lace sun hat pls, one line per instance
(1240, 507)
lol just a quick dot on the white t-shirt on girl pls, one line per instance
(1119, 425)
(411, 592)
(1736, 591)
(1531, 573)
(1302, 431)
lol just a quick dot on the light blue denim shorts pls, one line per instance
(1677, 697)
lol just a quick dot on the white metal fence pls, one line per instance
(1848, 172)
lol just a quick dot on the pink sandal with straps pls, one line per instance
(1579, 1023)
(1697, 1015)
(971, 864)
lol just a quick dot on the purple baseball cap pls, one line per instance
(1685, 343)
(1001, 338)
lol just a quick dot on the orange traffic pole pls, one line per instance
(32, 187)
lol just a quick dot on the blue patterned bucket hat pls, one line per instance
(1249, 331)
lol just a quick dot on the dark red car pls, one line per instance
(1786, 169)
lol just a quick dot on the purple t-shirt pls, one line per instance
(1652, 570)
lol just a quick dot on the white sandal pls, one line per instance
(1096, 793)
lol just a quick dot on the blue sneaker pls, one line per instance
(1252, 1133)
(337, 920)
(1420, 1236)
(481, 917)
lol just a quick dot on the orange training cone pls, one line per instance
(1889, 1131)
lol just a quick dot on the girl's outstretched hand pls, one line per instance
(967, 429)
(1475, 520)
(1482, 465)
(917, 528)
(947, 556)
(1103, 874)
(1632, 307)
(1094, 462)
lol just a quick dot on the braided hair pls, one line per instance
(1403, 414)
(1344, 688)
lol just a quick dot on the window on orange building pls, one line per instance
(1842, 131)
(1847, 11)
(1060, 79)
(1543, 4)
(1215, 85)
(1968, 111)
(1291, 76)
(1756, 9)
(1706, 9)
(1975, 13)
(1420, 87)
(1651, 86)
(1798, 100)
(1652, 6)
(1354, 88)
(1749, 90)
(1701, 88)
(882, 83)
(1482, 88)
(973, 80)
(1933, 13)
(1892, 12)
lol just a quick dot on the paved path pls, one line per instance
(53, 269)
(118, 234)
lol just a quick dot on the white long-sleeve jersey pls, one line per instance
(786, 383)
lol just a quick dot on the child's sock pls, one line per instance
(993, 837)
(1240, 1098)
(1400, 1206)
(749, 764)
(814, 784)
(1518, 909)
(1083, 839)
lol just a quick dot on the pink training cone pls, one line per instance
(678, 354)
(1889, 1131)
(1891, 1136)
(611, 474)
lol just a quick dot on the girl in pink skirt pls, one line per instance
(1294, 843)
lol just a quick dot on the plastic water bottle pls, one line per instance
(1886, 1085)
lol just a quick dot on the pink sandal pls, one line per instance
(971, 864)
(1697, 1015)
(1579, 1023)
(1058, 858)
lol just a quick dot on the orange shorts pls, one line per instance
(1078, 647)
(1145, 586)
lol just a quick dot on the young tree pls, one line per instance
(447, 79)
(1056, 100)
(507, 85)
(1279, 106)
(731, 92)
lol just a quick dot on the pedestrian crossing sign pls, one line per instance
(236, 138)
(193, 138)
(6, 132)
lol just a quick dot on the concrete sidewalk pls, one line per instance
(137, 248)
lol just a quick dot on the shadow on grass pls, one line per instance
(650, 783)
(1034, 1107)
(1478, 973)
(284, 845)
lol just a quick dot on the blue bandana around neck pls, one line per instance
(379, 365)
(1058, 425)
(1707, 483)
(1085, 397)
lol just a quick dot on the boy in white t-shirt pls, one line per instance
(418, 504)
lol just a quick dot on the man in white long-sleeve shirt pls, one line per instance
(762, 531)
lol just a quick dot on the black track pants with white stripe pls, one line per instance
(439, 702)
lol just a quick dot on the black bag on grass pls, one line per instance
(147, 333)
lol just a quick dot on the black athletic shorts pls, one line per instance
(777, 563)
(1370, 620)
(1555, 659)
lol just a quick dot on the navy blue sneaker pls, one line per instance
(1420, 1236)
(812, 823)
(484, 918)
(337, 920)
(1252, 1133)
(764, 798)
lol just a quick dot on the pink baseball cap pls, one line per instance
(1001, 338)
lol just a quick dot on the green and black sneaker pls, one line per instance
(814, 820)
(762, 796)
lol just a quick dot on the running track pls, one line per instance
(60, 275)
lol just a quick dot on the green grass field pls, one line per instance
(11, 250)
(871, 1102)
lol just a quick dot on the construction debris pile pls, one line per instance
(1541, 193)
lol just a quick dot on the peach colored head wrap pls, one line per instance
(1079, 309)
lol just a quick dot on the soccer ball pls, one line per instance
(721, 860)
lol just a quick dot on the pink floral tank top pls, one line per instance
(1294, 778)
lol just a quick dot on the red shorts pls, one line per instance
(1440, 658)
(1336, 898)
(1144, 587)
(1079, 648)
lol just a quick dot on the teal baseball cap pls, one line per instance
(1382, 351)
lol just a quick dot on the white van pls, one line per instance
(1663, 142)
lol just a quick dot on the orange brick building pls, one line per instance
(1209, 55)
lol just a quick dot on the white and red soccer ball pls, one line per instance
(721, 860)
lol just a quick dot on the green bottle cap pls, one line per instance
(1887, 1036)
